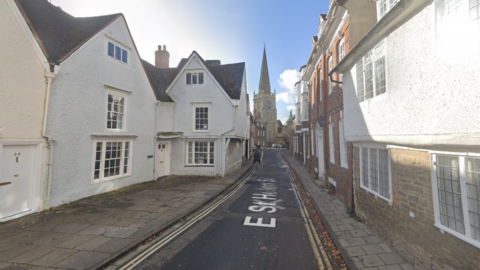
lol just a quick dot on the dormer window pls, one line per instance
(383, 6)
(117, 52)
(194, 78)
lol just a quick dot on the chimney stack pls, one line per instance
(162, 57)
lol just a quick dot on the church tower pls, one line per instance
(264, 102)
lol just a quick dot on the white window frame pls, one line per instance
(124, 52)
(305, 109)
(209, 153)
(312, 131)
(362, 160)
(331, 143)
(387, 5)
(455, 19)
(102, 159)
(201, 105)
(116, 94)
(330, 66)
(194, 76)
(467, 236)
(341, 49)
(361, 68)
(343, 145)
(319, 80)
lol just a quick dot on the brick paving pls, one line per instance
(91, 232)
(363, 248)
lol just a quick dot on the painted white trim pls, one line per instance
(122, 94)
(376, 194)
(168, 144)
(121, 46)
(463, 189)
(332, 181)
(215, 155)
(201, 105)
(35, 202)
(104, 141)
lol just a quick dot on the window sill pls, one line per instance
(113, 136)
(457, 234)
(208, 165)
(377, 195)
(99, 181)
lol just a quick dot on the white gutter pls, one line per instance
(49, 76)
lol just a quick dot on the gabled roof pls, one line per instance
(229, 77)
(58, 33)
(159, 79)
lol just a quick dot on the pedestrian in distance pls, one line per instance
(256, 157)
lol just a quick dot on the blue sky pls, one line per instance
(231, 31)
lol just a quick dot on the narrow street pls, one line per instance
(259, 227)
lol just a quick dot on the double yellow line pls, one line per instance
(311, 231)
(165, 240)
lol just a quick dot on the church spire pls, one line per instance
(264, 85)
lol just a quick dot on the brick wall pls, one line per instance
(341, 175)
(417, 239)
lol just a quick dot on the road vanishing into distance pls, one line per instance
(258, 225)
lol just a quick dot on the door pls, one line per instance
(163, 159)
(320, 153)
(16, 179)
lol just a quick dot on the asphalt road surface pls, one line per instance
(259, 227)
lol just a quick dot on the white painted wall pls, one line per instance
(22, 102)
(78, 111)
(432, 93)
(225, 120)
(22, 80)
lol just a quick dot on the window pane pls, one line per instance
(111, 49)
(382, 7)
(380, 78)
(194, 78)
(473, 195)
(118, 52)
(200, 78)
(451, 213)
(360, 85)
(125, 157)
(189, 78)
(201, 118)
(373, 170)
(365, 167)
(98, 159)
(384, 183)
(124, 56)
(368, 76)
(115, 113)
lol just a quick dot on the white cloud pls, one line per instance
(291, 107)
(285, 97)
(288, 79)
(287, 82)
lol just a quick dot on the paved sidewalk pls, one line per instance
(91, 232)
(363, 248)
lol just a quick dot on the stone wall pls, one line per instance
(416, 238)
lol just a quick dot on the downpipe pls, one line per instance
(49, 75)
